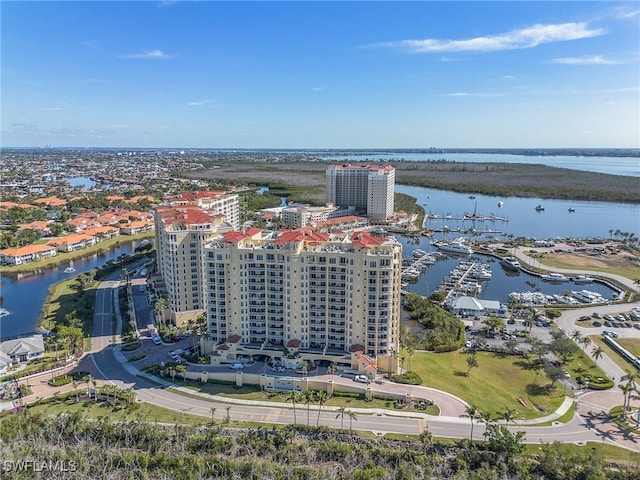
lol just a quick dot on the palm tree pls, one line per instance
(293, 397)
(341, 412)
(628, 388)
(308, 400)
(585, 342)
(576, 336)
(597, 353)
(321, 396)
(352, 416)
(411, 350)
(474, 413)
(508, 414)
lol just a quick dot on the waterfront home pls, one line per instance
(28, 253)
(71, 243)
(137, 226)
(21, 350)
(104, 232)
(80, 224)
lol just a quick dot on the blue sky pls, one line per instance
(321, 74)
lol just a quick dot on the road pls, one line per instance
(110, 367)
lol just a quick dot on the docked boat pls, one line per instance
(555, 277)
(539, 208)
(510, 263)
(582, 279)
(587, 296)
(456, 246)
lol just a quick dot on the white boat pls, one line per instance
(571, 209)
(500, 204)
(554, 277)
(582, 279)
(587, 296)
(510, 263)
(4, 312)
(455, 246)
(539, 208)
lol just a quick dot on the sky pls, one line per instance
(305, 75)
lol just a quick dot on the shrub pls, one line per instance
(60, 380)
(408, 378)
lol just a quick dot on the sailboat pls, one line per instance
(474, 215)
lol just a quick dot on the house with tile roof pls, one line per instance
(28, 253)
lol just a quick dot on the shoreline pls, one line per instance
(64, 257)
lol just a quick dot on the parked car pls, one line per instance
(236, 366)
(361, 378)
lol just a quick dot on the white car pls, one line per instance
(236, 366)
(361, 379)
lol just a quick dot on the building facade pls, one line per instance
(319, 295)
(369, 189)
(216, 202)
(181, 232)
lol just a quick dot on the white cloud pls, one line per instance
(152, 54)
(528, 37)
(471, 94)
(586, 60)
(317, 89)
(198, 103)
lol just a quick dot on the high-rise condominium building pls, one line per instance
(319, 293)
(182, 228)
(368, 188)
(216, 202)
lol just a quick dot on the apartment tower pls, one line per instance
(367, 188)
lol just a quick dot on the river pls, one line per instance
(23, 295)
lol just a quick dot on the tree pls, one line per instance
(563, 347)
(341, 413)
(427, 440)
(597, 353)
(554, 373)
(411, 350)
(213, 413)
(472, 362)
(293, 397)
(508, 414)
(576, 336)
(493, 324)
(352, 416)
(474, 413)
(308, 400)
(501, 441)
(321, 396)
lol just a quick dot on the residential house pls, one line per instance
(21, 350)
(28, 253)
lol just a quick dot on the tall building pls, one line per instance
(368, 188)
(217, 202)
(181, 232)
(321, 295)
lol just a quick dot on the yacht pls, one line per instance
(554, 277)
(582, 279)
(455, 246)
(587, 296)
(510, 263)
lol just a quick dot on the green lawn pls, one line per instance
(556, 260)
(63, 299)
(116, 411)
(631, 344)
(251, 393)
(494, 385)
(610, 352)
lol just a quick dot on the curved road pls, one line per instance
(108, 363)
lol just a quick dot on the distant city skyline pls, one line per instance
(305, 75)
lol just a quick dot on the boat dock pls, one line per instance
(465, 279)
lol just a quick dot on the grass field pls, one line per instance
(494, 385)
(63, 299)
(616, 266)
(631, 344)
(611, 353)
(251, 393)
